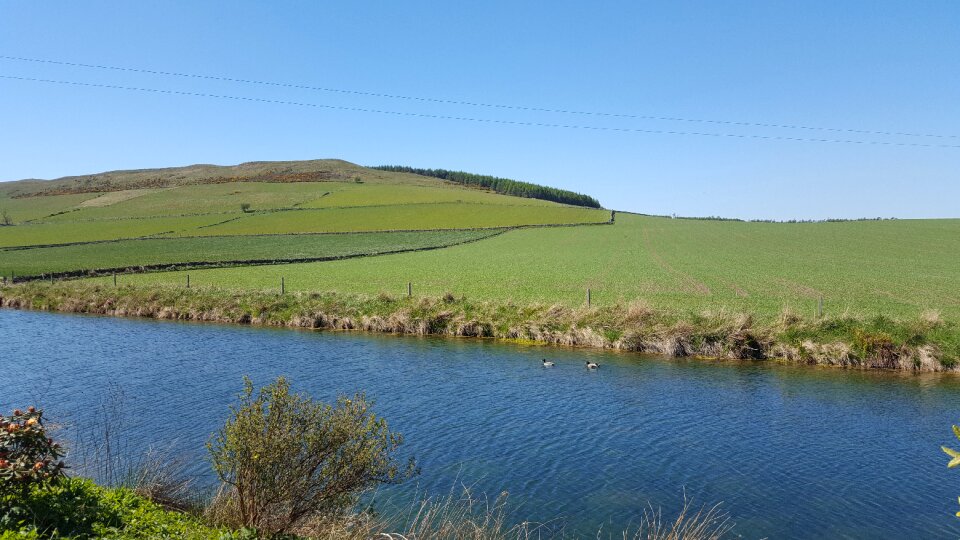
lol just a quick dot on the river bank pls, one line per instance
(925, 344)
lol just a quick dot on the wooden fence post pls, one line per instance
(188, 281)
(588, 297)
(114, 279)
(283, 286)
(409, 289)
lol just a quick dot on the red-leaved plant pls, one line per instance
(27, 455)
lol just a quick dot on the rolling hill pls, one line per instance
(495, 247)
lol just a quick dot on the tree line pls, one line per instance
(504, 186)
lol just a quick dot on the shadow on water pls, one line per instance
(791, 451)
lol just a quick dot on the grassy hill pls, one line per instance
(496, 247)
(251, 213)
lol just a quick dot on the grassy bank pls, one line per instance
(924, 343)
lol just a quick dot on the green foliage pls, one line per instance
(954, 455)
(28, 457)
(244, 207)
(501, 185)
(78, 508)
(286, 458)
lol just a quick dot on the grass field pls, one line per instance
(896, 268)
(154, 252)
(168, 217)
(20, 210)
(405, 217)
(92, 231)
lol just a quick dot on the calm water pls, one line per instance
(791, 452)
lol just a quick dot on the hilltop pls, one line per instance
(318, 170)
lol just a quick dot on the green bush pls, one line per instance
(285, 459)
(78, 508)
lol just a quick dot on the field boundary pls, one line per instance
(453, 229)
(37, 221)
(171, 267)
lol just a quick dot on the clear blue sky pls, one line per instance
(864, 65)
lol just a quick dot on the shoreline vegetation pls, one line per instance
(927, 343)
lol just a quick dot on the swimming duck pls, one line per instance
(592, 365)
(547, 363)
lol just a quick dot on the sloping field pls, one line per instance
(91, 231)
(895, 268)
(405, 217)
(200, 199)
(156, 252)
(20, 210)
(199, 204)
(352, 194)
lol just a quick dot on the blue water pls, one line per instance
(791, 452)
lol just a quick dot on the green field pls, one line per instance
(896, 268)
(405, 217)
(168, 217)
(164, 251)
(34, 234)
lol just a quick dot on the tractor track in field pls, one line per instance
(690, 281)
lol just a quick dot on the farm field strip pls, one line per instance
(894, 268)
(31, 208)
(407, 217)
(36, 234)
(261, 196)
(221, 250)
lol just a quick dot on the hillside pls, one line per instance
(496, 247)
(251, 213)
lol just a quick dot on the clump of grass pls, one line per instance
(703, 523)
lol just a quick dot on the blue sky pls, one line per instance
(869, 66)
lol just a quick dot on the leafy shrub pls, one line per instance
(244, 207)
(285, 459)
(78, 508)
(27, 456)
(954, 455)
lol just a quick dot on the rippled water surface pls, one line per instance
(791, 452)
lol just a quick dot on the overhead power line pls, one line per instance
(477, 104)
(469, 119)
